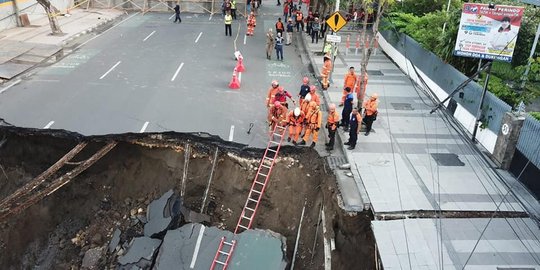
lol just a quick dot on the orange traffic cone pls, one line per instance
(240, 64)
(235, 83)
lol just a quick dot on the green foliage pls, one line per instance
(421, 7)
(535, 115)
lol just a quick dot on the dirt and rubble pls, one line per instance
(114, 194)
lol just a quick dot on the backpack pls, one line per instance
(279, 26)
(299, 16)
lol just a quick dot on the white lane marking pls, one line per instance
(197, 247)
(231, 133)
(210, 17)
(115, 65)
(199, 36)
(48, 125)
(107, 30)
(147, 37)
(170, 18)
(245, 39)
(240, 76)
(144, 127)
(178, 70)
(9, 86)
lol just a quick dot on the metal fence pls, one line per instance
(448, 78)
(529, 140)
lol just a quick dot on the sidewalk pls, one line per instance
(25, 47)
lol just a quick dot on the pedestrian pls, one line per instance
(278, 3)
(313, 124)
(223, 6)
(304, 89)
(248, 6)
(355, 121)
(314, 96)
(324, 26)
(353, 22)
(279, 27)
(277, 116)
(370, 110)
(350, 81)
(254, 7)
(309, 22)
(228, 24)
(295, 120)
(347, 109)
(282, 95)
(251, 23)
(233, 9)
(332, 124)
(325, 72)
(299, 20)
(304, 105)
(227, 6)
(274, 88)
(279, 47)
(290, 29)
(269, 43)
(315, 31)
(286, 7)
(177, 12)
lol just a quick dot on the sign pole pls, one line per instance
(479, 112)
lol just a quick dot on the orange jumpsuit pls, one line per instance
(251, 23)
(362, 85)
(304, 106)
(325, 73)
(313, 122)
(295, 125)
(277, 116)
(271, 95)
(316, 98)
(350, 81)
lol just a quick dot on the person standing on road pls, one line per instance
(350, 81)
(299, 21)
(304, 89)
(295, 120)
(309, 23)
(325, 72)
(277, 116)
(272, 91)
(315, 31)
(269, 43)
(324, 26)
(355, 121)
(279, 47)
(286, 7)
(332, 124)
(279, 27)
(228, 24)
(233, 9)
(347, 109)
(370, 109)
(313, 124)
(304, 105)
(251, 23)
(314, 96)
(290, 29)
(282, 95)
(177, 12)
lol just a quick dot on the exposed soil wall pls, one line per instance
(56, 232)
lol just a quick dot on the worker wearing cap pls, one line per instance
(313, 124)
(350, 81)
(295, 120)
(314, 96)
(304, 89)
(325, 72)
(274, 88)
(332, 123)
(290, 29)
(370, 109)
(277, 115)
(355, 122)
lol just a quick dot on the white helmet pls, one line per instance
(296, 111)
(308, 97)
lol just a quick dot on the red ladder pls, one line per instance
(223, 255)
(257, 188)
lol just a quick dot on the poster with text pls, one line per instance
(488, 33)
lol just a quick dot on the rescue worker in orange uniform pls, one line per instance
(332, 123)
(362, 85)
(272, 94)
(370, 110)
(277, 115)
(295, 119)
(313, 123)
(314, 96)
(281, 96)
(251, 23)
(351, 82)
(325, 72)
(304, 106)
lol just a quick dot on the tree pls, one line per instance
(51, 14)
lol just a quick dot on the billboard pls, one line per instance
(488, 32)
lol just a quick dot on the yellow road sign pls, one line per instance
(336, 21)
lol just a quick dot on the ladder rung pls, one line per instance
(268, 167)
(250, 199)
(263, 174)
(275, 142)
(272, 150)
(250, 209)
(227, 243)
(242, 226)
(256, 191)
(220, 262)
(223, 252)
(248, 218)
(269, 158)
(260, 183)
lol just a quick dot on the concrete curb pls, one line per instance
(339, 140)
(89, 30)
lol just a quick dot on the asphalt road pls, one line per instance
(147, 74)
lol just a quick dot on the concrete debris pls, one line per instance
(139, 254)
(162, 213)
(345, 166)
(91, 258)
(115, 240)
(194, 217)
(349, 174)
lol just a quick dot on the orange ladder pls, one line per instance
(223, 255)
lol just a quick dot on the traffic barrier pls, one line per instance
(235, 83)
(357, 44)
(348, 44)
(240, 64)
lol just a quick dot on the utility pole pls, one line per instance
(17, 14)
(533, 49)
(479, 112)
(447, 10)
